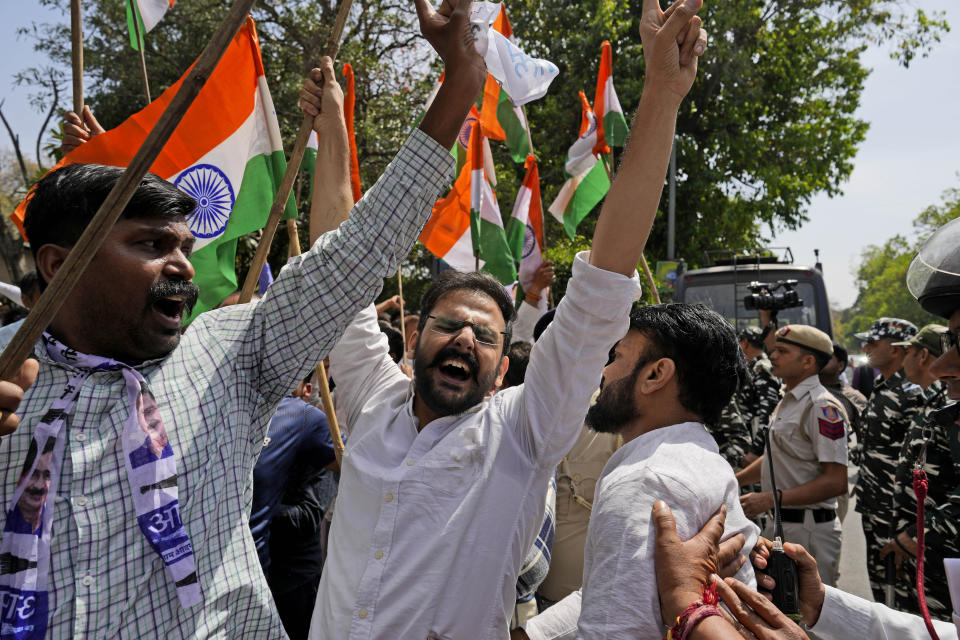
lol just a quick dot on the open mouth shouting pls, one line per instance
(171, 300)
(455, 368)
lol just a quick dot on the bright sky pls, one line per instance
(909, 158)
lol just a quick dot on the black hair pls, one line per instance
(63, 203)
(28, 284)
(704, 348)
(48, 446)
(476, 282)
(821, 359)
(519, 354)
(840, 353)
(542, 324)
(395, 340)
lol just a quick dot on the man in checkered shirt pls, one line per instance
(217, 386)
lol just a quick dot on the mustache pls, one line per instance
(466, 356)
(181, 288)
(35, 492)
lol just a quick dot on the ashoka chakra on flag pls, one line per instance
(211, 188)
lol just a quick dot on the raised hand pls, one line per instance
(11, 393)
(77, 130)
(448, 32)
(673, 40)
(322, 97)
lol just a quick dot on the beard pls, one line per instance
(615, 406)
(444, 401)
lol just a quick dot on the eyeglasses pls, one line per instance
(481, 333)
(950, 340)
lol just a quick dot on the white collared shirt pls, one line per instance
(679, 465)
(431, 527)
(845, 615)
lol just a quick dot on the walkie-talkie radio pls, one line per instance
(780, 567)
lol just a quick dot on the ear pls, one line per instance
(502, 371)
(412, 340)
(50, 258)
(656, 375)
(308, 389)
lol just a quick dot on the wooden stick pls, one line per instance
(89, 243)
(526, 126)
(643, 258)
(143, 60)
(76, 55)
(327, 400)
(293, 166)
(403, 325)
(293, 237)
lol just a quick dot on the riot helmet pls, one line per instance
(934, 275)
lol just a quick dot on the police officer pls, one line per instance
(759, 395)
(892, 406)
(733, 435)
(927, 438)
(808, 443)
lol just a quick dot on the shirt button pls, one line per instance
(87, 580)
(409, 463)
(576, 477)
(388, 497)
(362, 614)
(80, 437)
(81, 501)
(378, 555)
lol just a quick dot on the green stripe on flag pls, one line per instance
(512, 126)
(516, 232)
(498, 260)
(589, 192)
(615, 129)
(215, 263)
(134, 10)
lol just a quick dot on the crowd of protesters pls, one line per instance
(601, 470)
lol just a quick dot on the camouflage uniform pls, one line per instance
(732, 434)
(892, 406)
(943, 478)
(853, 403)
(757, 398)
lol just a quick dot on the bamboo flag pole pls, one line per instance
(76, 55)
(643, 258)
(83, 251)
(543, 249)
(140, 46)
(293, 237)
(403, 325)
(293, 167)
(327, 400)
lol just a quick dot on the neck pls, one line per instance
(890, 369)
(645, 424)
(425, 415)
(829, 381)
(926, 381)
(793, 382)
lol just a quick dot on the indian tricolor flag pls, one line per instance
(147, 14)
(611, 124)
(588, 182)
(466, 224)
(525, 227)
(499, 117)
(226, 153)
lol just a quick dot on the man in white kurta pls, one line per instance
(432, 524)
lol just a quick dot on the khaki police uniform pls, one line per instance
(807, 429)
(577, 476)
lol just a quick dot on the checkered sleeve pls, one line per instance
(317, 294)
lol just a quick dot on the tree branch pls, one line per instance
(53, 108)
(16, 147)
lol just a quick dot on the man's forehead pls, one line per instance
(173, 223)
(470, 302)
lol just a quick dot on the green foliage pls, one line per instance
(882, 274)
(768, 124)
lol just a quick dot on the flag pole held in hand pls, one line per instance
(89, 243)
(293, 166)
(76, 55)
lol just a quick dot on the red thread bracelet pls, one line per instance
(696, 612)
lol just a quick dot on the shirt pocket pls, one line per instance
(793, 442)
(577, 479)
(452, 467)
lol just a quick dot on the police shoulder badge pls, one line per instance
(831, 424)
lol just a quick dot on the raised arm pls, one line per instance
(631, 204)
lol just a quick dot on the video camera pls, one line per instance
(763, 296)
